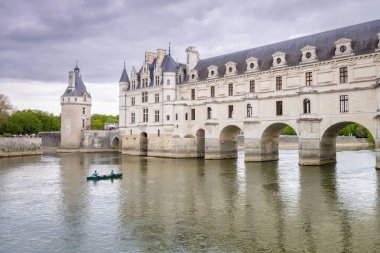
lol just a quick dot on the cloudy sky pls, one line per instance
(40, 40)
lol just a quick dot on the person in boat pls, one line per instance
(112, 173)
(95, 174)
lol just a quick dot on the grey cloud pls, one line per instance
(40, 40)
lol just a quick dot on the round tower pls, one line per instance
(75, 111)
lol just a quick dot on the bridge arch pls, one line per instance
(328, 140)
(270, 139)
(228, 141)
(115, 143)
(143, 144)
(200, 142)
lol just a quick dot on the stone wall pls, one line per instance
(50, 139)
(342, 142)
(20, 146)
(100, 140)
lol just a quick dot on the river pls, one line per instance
(189, 205)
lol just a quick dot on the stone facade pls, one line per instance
(75, 111)
(316, 84)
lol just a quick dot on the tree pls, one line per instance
(5, 109)
(24, 122)
(288, 131)
(98, 120)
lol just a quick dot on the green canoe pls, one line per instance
(114, 176)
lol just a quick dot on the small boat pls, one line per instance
(109, 176)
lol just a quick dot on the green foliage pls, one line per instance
(5, 110)
(7, 135)
(288, 131)
(98, 120)
(32, 122)
(356, 130)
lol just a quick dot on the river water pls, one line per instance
(189, 205)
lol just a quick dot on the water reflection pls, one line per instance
(189, 205)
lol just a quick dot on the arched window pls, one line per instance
(306, 105)
(209, 112)
(249, 110)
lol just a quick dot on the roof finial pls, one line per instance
(124, 63)
(169, 46)
(145, 57)
(76, 66)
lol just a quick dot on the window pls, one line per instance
(278, 108)
(157, 80)
(343, 103)
(212, 91)
(144, 97)
(176, 116)
(84, 110)
(167, 117)
(209, 111)
(156, 98)
(252, 86)
(76, 100)
(192, 94)
(343, 74)
(279, 83)
(306, 105)
(133, 117)
(145, 115)
(133, 101)
(156, 116)
(168, 98)
(186, 116)
(230, 89)
(308, 78)
(192, 114)
(83, 123)
(230, 111)
(249, 110)
(168, 82)
(84, 97)
(158, 132)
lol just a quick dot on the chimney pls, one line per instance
(160, 55)
(150, 57)
(192, 58)
(71, 79)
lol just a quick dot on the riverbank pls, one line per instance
(20, 146)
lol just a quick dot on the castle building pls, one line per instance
(316, 84)
(75, 111)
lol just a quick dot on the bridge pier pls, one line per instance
(212, 149)
(312, 153)
(255, 150)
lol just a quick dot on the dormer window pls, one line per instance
(308, 54)
(230, 68)
(212, 71)
(343, 47)
(193, 75)
(252, 64)
(279, 59)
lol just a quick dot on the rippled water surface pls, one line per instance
(192, 205)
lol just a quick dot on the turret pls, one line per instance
(75, 111)
(192, 58)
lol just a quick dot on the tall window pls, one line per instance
(192, 94)
(84, 110)
(157, 80)
(279, 83)
(156, 116)
(343, 103)
(192, 114)
(252, 86)
(278, 108)
(343, 75)
(133, 85)
(168, 82)
(212, 91)
(145, 115)
(133, 101)
(168, 98)
(83, 123)
(167, 117)
(133, 117)
(308, 78)
(306, 105)
(144, 97)
(186, 116)
(249, 110)
(209, 111)
(230, 111)
(156, 98)
(176, 116)
(230, 89)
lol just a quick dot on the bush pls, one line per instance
(7, 135)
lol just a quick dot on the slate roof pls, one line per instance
(79, 88)
(363, 36)
(124, 76)
(168, 64)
